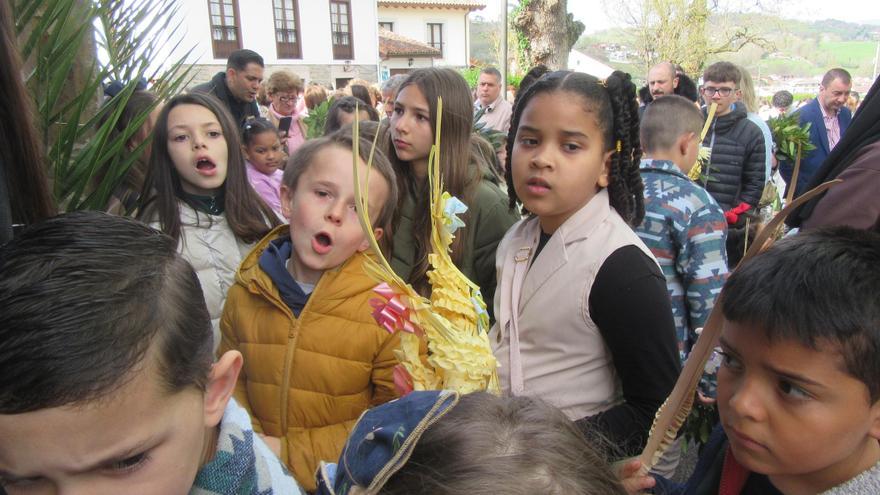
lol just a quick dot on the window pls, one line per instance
(225, 33)
(386, 25)
(435, 36)
(287, 29)
(340, 29)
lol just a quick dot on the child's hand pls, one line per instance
(632, 481)
(274, 443)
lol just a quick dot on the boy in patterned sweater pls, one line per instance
(684, 227)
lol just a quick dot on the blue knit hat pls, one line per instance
(382, 441)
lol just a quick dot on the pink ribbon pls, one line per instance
(402, 380)
(390, 312)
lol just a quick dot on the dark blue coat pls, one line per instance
(811, 162)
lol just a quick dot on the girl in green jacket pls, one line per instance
(465, 176)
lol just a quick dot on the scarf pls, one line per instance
(212, 205)
(243, 464)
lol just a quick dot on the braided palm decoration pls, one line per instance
(674, 411)
(454, 322)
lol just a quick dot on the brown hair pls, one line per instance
(283, 81)
(665, 120)
(720, 72)
(248, 216)
(115, 285)
(836, 73)
(21, 149)
(513, 445)
(459, 174)
(304, 158)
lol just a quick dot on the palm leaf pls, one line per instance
(65, 81)
(674, 411)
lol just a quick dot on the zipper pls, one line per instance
(292, 337)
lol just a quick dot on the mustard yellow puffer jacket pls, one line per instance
(308, 379)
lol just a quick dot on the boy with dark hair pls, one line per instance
(799, 383)
(684, 227)
(109, 384)
(736, 173)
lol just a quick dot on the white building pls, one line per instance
(328, 41)
(440, 24)
(579, 61)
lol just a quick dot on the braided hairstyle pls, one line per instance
(613, 102)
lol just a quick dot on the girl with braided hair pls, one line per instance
(583, 317)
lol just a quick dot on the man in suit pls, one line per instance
(829, 118)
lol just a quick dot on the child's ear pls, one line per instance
(684, 143)
(874, 431)
(244, 151)
(221, 384)
(286, 198)
(604, 177)
(377, 233)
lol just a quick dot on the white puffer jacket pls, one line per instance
(210, 246)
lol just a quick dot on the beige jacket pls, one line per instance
(210, 246)
(563, 357)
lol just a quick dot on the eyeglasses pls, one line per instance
(724, 92)
(286, 99)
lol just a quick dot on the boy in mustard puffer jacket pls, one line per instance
(314, 357)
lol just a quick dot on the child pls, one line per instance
(197, 192)
(684, 227)
(584, 320)
(264, 158)
(477, 444)
(464, 176)
(300, 310)
(341, 112)
(109, 383)
(799, 385)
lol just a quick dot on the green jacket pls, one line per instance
(488, 219)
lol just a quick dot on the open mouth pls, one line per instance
(322, 243)
(205, 166)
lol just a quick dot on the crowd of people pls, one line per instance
(215, 332)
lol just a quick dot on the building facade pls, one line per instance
(328, 41)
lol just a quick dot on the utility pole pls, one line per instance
(504, 48)
(876, 55)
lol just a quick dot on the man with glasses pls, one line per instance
(829, 118)
(736, 174)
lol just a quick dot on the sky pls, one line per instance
(595, 13)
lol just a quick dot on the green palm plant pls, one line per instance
(87, 160)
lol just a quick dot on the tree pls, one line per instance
(544, 33)
(678, 31)
(65, 77)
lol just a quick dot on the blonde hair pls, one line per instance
(748, 91)
(284, 81)
(314, 95)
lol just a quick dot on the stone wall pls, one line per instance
(323, 73)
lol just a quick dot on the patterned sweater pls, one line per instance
(686, 231)
(243, 464)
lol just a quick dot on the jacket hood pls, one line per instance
(252, 276)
